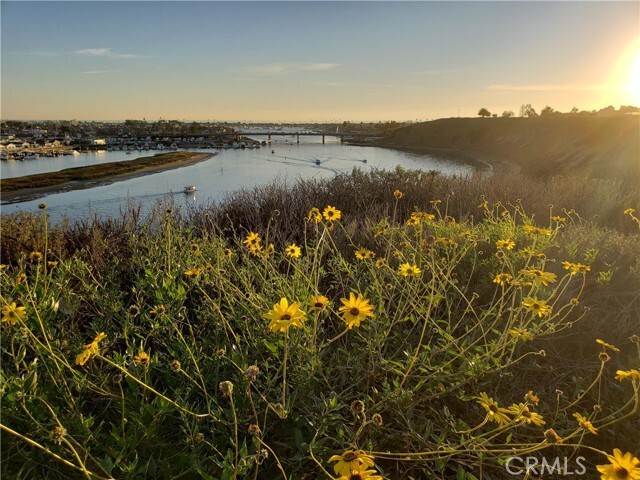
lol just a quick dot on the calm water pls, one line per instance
(216, 177)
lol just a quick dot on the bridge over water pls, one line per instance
(280, 133)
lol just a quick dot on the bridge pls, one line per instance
(280, 133)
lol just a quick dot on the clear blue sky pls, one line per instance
(300, 61)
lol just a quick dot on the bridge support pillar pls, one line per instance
(298, 139)
(323, 139)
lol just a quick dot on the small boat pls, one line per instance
(189, 189)
(317, 161)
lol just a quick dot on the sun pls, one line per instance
(633, 85)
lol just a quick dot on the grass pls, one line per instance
(160, 346)
(92, 172)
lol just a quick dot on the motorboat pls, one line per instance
(189, 189)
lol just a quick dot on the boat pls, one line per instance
(189, 189)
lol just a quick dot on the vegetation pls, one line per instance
(397, 324)
(94, 172)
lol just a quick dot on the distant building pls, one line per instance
(99, 141)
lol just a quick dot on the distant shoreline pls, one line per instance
(30, 187)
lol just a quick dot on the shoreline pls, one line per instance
(31, 193)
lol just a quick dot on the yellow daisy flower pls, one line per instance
(35, 256)
(494, 412)
(629, 211)
(142, 358)
(585, 424)
(364, 254)
(408, 270)
(351, 460)
(90, 349)
(380, 262)
(331, 213)
(252, 240)
(12, 314)
(532, 397)
(539, 276)
(521, 413)
(558, 219)
(282, 316)
(293, 251)
(606, 345)
(576, 267)
(503, 279)
(355, 310)
(537, 307)
(398, 194)
(505, 244)
(193, 248)
(621, 467)
(193, 272)
(318, 303)
(360, 474)
(521, 333)
(632, 374)
(314, 215)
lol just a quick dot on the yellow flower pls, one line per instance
(194, 248)
(539, 276)
(552, 437)
(90, 349)
(532, 397)
(331, 213)
(621, 467)
(142, 358)
(606, 345)
(228, 252)
(355, 310)
(503, 279)
(380, 262)
(407, 270)
(537, 307)
(585, 424)
(521, 413)
(398, 194)
(318, 303)
(629, 211)
(361, 474)
(193, 272)
(632, 374)
(252, 240)
(413, 221)
(494, 412)
(558, 219)
(52, 263)
(157, 310)
(315, 215)
(12, 314)
(446, 241)
(351, 460)
(506, 244)
(35, 256)
(364, 254)
(267, 251)
(293, 251)
(576, 267)
(283, 316)
(522, 333)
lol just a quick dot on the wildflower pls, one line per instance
(57, 434)
(12, 314)
(532, 397)
(558, 219)
(283, 316)
(357, 407)
(537, 307)
(606, 345)
(175, 365)
(484, 205)
(529, 228)
(198, 437)
(226, 388)
(521, 413)
(228, 252)
(446, 241)
(585, 424)
(134, 310)
(576, 267)
(252, 240)
(331, 213)
(254, 430)
(539, 276)
(193, 272)
(398, 194)
(634, 339)
(630, 211)
(315, 215)
(20, 279)
(552, 437)
(52, 263)
(318, 303)
(351, 460)
(521, 333)
(505, 244)
(621, 467)
(407, 270)
(380, 262)
(632, 374)
(90, 349)
(193, 248)
(293, 251)
(157, 310)
(142, 358)
(604, 357)
(412, 221)
(503, 279)
(355, 310)
(3, 266)
(494, 412)
(251, 373)
(35, 256)
(364, 254)
(268, 250)
(361, 474)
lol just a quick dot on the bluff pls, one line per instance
(597, 146)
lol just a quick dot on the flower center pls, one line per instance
(493, 408)
(622, 472)
(354, 311)
(526, 413)
(355, 476)
(318, 305)
(286, 316)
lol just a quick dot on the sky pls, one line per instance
(313, 61)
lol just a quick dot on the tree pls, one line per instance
(483, 112)
(547, 111)
(528, 111)
(507, 114)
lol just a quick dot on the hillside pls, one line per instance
(606, 147)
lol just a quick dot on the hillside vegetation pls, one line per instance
(604, 147)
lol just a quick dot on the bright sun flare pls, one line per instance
(634, 78)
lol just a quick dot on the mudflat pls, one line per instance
(33, 186)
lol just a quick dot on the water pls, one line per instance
(228, 171)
